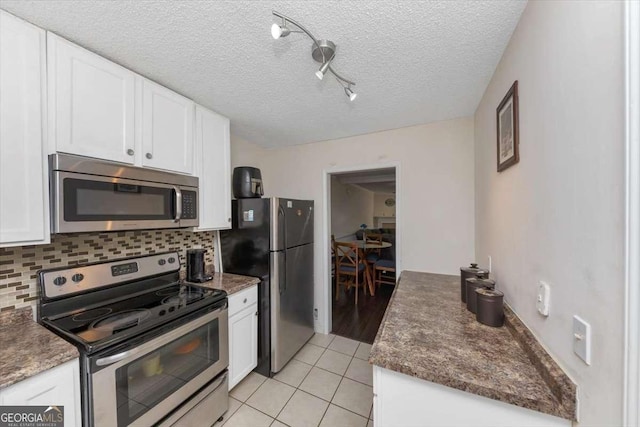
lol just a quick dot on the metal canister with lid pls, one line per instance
(474, 283)
(490, 310)
(467, 273)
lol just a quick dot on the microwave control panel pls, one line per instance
(189, 204)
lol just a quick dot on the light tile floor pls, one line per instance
(327, 384)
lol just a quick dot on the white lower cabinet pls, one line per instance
(402, 400)
(59, 386)
(24, 188)
(243, 334)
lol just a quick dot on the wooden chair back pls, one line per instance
(375, 238)
(347, 255)
(348, 267)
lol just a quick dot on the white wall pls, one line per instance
(380, 208)
(435, 174)
(558, 215)
(350, 207)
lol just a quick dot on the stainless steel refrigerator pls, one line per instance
(272, 239)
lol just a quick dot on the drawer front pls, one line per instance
(243, 299)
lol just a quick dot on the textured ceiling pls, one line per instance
(413, 62)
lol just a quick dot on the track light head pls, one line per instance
(323, 69)
(350, 94)
(278, 31)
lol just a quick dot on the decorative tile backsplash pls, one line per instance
(19, 265)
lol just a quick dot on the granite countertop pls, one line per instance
(27, 348)
(428, 333)
(231, 283)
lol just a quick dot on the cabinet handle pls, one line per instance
(148, 156)
(130, 152)
(245, 301)
(228, 219)
(256, 313)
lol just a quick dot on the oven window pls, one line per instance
(87, 200)
(145, 382)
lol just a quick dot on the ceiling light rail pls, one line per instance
(322, 51)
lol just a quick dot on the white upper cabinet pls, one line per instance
(24, 208)
(212, 167)
(91, 103)
(167, 129)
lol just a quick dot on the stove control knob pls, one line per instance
(161, 261)
(77, 277)
(60, 280)
(171, 260)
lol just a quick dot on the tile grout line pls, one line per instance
(330, 402)
(296, 388)
(326, 370)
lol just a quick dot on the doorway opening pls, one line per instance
(362, 218)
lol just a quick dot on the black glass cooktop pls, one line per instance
(127, 316)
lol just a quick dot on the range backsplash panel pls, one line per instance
(19, 265)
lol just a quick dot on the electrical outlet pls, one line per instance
(542, 298)
(582, 339)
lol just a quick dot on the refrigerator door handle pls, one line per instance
(282, 226)
(282, 272)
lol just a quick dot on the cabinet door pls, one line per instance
(212, 165)
(243, 344)
(59, 386)
(91, 103)
(167, 129)
(24, 197)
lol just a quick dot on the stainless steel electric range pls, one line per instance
(152, 350)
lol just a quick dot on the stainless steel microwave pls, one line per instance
(95, 195)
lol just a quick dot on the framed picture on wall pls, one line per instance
(507, 121)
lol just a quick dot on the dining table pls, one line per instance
(364, 247)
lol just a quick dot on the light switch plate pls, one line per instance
(542, 298)
(582, 339)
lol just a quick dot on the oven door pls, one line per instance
(144, 383)
(85, 202)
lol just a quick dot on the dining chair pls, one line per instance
(382, 270)
(373, 255)
(349, 267)
(333, 256)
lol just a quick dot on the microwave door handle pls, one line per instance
(178, 204)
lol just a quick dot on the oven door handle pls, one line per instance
(116, 357)
(178, 204)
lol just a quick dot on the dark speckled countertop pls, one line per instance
(428, 333)
(26, 348)
(231, 283)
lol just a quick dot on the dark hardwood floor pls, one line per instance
(360, 323)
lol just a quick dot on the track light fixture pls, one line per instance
(350, 94)
(323, 68)
(322, 51)
(278, 31)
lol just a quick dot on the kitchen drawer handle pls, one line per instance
(130, 152)
(149, 156)
(116, 357)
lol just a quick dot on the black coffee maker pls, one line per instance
(195, 266)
